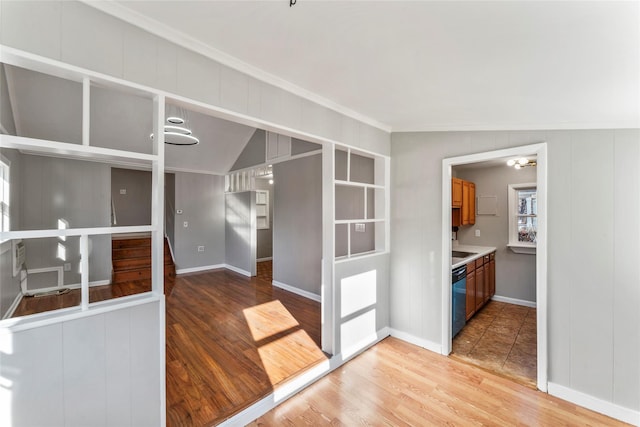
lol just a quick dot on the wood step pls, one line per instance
(133, 252)
(142, 274)
(132, 263)
(127, 243)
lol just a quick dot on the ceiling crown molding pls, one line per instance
(170, 34)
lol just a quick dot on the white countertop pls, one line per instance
(478, 252)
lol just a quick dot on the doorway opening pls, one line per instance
(504, 307)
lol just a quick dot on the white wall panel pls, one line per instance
(234, 90)
(561, 285)
(141, 62)
(84, 374)
(277, 106)
(19, 20)
(118, 368)
(91, 39)
(198, 77)
(144, 363)
(592, 262)
(33, 377)
(167, 66)
(626, 278)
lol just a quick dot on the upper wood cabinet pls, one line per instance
(463, 202)
(456, 192)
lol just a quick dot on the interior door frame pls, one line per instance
(540, 150)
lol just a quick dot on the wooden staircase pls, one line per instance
(131, 258)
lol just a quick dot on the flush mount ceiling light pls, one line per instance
(174, 134)
(521, 162)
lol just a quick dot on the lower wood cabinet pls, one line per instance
(481, 283)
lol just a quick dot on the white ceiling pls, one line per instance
(425, 65)
(47, 107)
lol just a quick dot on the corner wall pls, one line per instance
(593, 249)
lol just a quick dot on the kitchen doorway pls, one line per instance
(499, 312)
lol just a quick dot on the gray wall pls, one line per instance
(201, 198)
(254, 152)
(10, 286)
(67, 32)
(593, 248)
(96, 370)
(77, 192)
(170, 207)
(239, 227)
(297, 223)
(265, 237)
(515, 273)
(6, 112)
(134, 207)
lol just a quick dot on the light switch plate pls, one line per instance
(477, 233)
(123, 191)
(360, 228)
(200, 248)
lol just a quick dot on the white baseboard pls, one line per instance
(352, 351)
(91, 284)
(412, 339)
(201, 268)
(13, 306)
(269, 258)
(295, 385)
(515, 301)
(237, 270)
(595, 404)
(297, 291)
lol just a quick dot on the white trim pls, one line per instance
(58, 269)
(176, 37)
(67, 232)
(420, 342)
(360, 255)
(515, 301)
(540, 150)
(201, 268)
(91, 284)
(595, 404)
(297, 291)
(17, 324)
(421, 127)
(364, 344)
(237, 270)
(34, 292)
(522, 249)
(269, 258)
(512, 193)
(13, 306)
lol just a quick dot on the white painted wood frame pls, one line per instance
(540, 150)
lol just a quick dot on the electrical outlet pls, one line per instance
(360, 228)
(200, 248)
(185, 224)
(477, 233)
(123, 191)
(67, 266)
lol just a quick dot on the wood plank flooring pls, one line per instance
(398, 384)
(32, 305)
(501, 338)
(230, 341)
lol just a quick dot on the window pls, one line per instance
(5, 195)
(523, 220)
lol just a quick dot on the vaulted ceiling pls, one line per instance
(432, 65)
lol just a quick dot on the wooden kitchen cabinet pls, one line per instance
(480, 287)
(471, 290)
(463, 202)
(481, 283)
(456, 193)
(492, 275)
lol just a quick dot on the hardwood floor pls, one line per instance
(398, 384)
(502, 339)
(32, 305)
(230, 341)
(264, 271)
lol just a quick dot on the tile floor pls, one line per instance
(501, 338)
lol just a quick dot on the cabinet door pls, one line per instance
(471, 293)
(465, 203)
(456, 192)
(472, 203)
(487, 290)
(479, 287)
(492, 276)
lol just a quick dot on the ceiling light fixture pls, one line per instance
(521, 162)
(174, 134)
